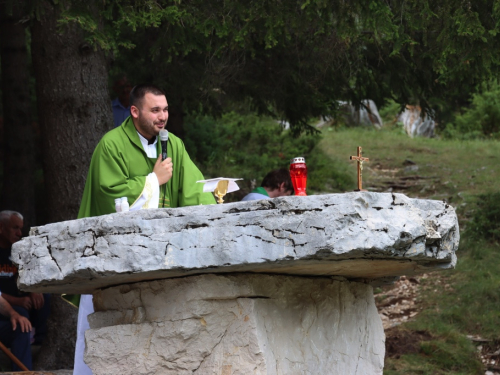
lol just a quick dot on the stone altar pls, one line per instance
(280, 286)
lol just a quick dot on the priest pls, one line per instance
(127, 162)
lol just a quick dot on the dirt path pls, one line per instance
(400, 302)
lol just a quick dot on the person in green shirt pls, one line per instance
(127, 163)
(276, 183)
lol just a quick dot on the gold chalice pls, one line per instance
(221, 190)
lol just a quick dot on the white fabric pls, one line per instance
(211, 184)
(149, 198)
(150, 149)
(255, 197)
(86, 308)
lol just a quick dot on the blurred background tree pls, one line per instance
(292, 61)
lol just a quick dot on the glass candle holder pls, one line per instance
(298, 174)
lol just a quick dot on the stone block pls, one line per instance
(236, 324)
(359, 235)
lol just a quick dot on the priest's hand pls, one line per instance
(163, 170)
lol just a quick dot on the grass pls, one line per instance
(465, 301)
(456, 170)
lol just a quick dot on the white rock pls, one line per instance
(366, 114)
(236, 324)
(240, 316)
(415, 124)
(355, 235)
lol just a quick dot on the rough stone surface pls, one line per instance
(366, 114)
(356, 235)
(236, 324)
(415, 125)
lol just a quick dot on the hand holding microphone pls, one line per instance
(163, 166)
(164, 140)
(163, 170)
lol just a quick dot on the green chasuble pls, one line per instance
(119, 168)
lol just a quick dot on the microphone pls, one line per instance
(163, 140)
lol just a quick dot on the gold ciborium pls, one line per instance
(221, 190)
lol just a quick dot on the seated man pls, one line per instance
(15, 333)
(34, 306)
(276, 183)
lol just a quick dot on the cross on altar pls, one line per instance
(360, 159)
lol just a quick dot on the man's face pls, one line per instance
(152, 116)
(279, 192)
(282, 192)
(10, 231)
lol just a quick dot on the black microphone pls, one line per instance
(163, 140)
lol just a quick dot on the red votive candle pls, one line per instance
(298, 174)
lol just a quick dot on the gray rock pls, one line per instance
(359, 235)
(236, 324)
(415, 124)
(366, 114)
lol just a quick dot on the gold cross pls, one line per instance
(360, 161)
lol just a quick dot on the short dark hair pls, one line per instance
(275, 178)
(139, 91)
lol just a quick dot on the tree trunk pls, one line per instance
(73, 107)
(74, 112)
(18, 190)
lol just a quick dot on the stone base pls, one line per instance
(236, 324)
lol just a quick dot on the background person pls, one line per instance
(276, 183)
(121, 104)
(34, 306)
(127, 163)
(15, 334)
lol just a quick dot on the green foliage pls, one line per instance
(455, 303)
(454, 355)
(485, 222)
(248, 146)
(390, 112)
(465, 302)
(297, 59)
(471, 302)
(481, 120)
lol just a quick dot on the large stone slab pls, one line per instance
(236, 324)
(355, 235)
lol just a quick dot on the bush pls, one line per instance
(390, 112)
(249, 146)
(481, 120)
(485, 223)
